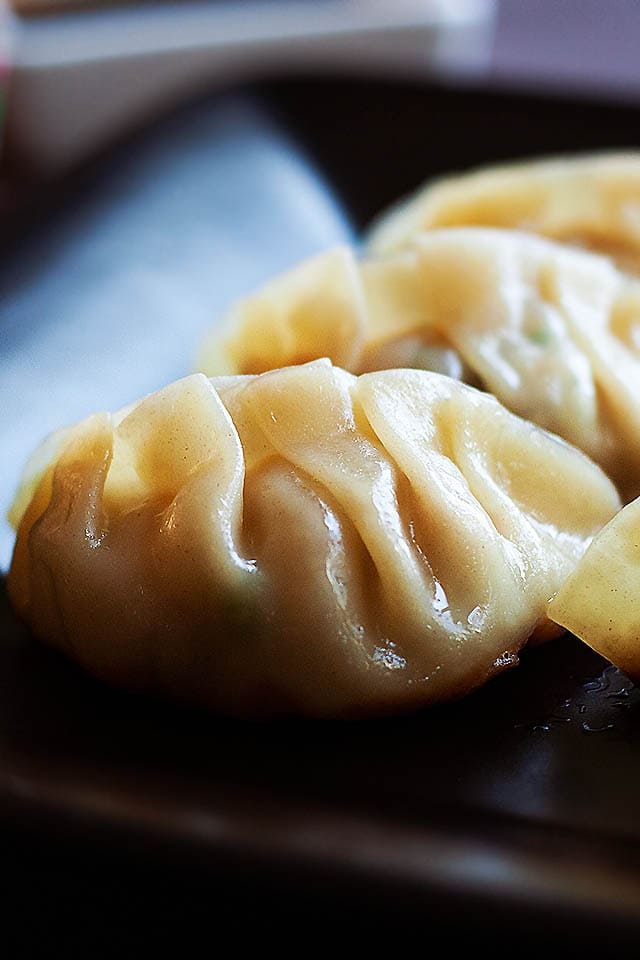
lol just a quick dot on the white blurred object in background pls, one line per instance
(81, 77)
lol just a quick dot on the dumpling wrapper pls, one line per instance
(600, 600)
(303, 541)
(552, 332)
(590, 201)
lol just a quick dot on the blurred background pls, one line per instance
(77, 73)
(81, 73)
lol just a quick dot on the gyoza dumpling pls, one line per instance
(303, 541)
(591, 201)
(600, 600)
(553, 332)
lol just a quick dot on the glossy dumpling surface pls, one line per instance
(591, 201)
(304, 541)
(553, 332)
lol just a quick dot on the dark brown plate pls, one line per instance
(510, 816)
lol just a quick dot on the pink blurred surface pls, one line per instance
(574, 46)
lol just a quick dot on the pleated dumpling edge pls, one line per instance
(304, 541)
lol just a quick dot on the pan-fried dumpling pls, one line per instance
(303, 541)
(600, 600)
(553, 332)
(591, 201)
